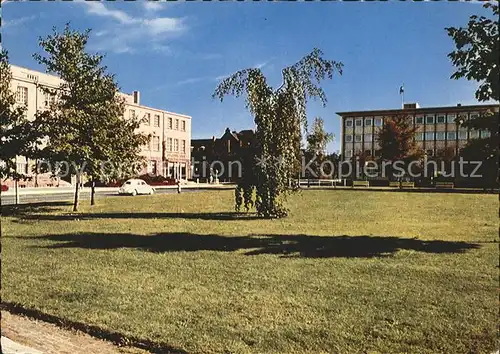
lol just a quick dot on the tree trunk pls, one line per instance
(16, 183)
(92, 192)
(77, 192)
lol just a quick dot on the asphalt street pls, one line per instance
(68, 196)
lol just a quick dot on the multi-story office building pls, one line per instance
(167, 152)
(437, 128)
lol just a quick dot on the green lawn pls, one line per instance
(347, 272)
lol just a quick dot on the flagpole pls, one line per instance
(403, 96)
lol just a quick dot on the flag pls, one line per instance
(401, 90)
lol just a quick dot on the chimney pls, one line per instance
(137, 97)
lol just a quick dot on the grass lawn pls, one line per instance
(346, 272)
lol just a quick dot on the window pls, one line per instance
(419, 120)
(359, 122)
(170, 123)
(147, 119)
(348, 122)
(156, 143)
(462, 135)
(440, 135)
(48, 99)
(378, 122)
(368, 122)
(169, 144)
(176, 124)
(474, 134)
(357, 138)
(429, 119)
(348, 153)
(151, 168)
(156, 121)
(183, 126)
(368, 153)
(451, 136)
(429, 136)
(183, 146)
(485, 133)
(451, 118)
(441, 118)
(176, 145)
(22, 95)
(348, 138)
(22, 167)
(419, 136)
(368, 137)
(131, 114)
(430, 152)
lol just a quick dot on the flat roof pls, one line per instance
(420, 109)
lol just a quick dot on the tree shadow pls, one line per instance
(26, 210)
(306, 246)
(223, 216)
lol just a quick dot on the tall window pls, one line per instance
(176, 124)
(440, 135)
(156, 120)
(429, 136)
(170, 123)
(462, 135)
(359, 122)
(429, 119)
(183, 125)
(169, 144)
(368, 137)
(451, 136)
(451, 118)
(348, 138)
(147, 119)
(419, 120)
(441, 119)
(183, 146)
(156, 143)
(368, 122)
(378, 122)
(348, 122)
(357, 138)
(22, 95)
(176, 145)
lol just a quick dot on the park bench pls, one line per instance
(360, 184)
(444, 185)
(403, 184)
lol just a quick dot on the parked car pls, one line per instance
(136, 186)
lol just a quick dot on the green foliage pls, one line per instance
(477, 52)
(476, 58)
(16, 133)
(317, 140)
(85, 125)
(279, 115)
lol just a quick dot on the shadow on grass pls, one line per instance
(25, 210)
(138, 215)
(283, 245)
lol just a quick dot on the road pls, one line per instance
(68, 195)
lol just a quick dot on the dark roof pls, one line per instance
(417, 110)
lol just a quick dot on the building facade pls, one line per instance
(167, 152)
(437, 128)
(222, 156)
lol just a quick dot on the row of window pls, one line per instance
(462, 135)
(179, 124)
(172, 145)
(427, 119)
(349, 153)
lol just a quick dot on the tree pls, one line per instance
(279, 115)
(85, 126)
(477, 58)
(317, 140)
(396, 139)
(16, 134)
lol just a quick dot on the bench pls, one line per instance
(444, 185)
(360, 184)
(403, 184)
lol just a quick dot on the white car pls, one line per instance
(136, 186)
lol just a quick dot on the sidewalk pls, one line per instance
(23, 335)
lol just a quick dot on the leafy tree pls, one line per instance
(16, 138)
(317, 140)
(85, 126)
(396, 139)
(279, 115)
(477, 58)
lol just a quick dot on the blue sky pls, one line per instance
(175, 53)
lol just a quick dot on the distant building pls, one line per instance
(221, 154)
(436, 128)
(167, 152)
